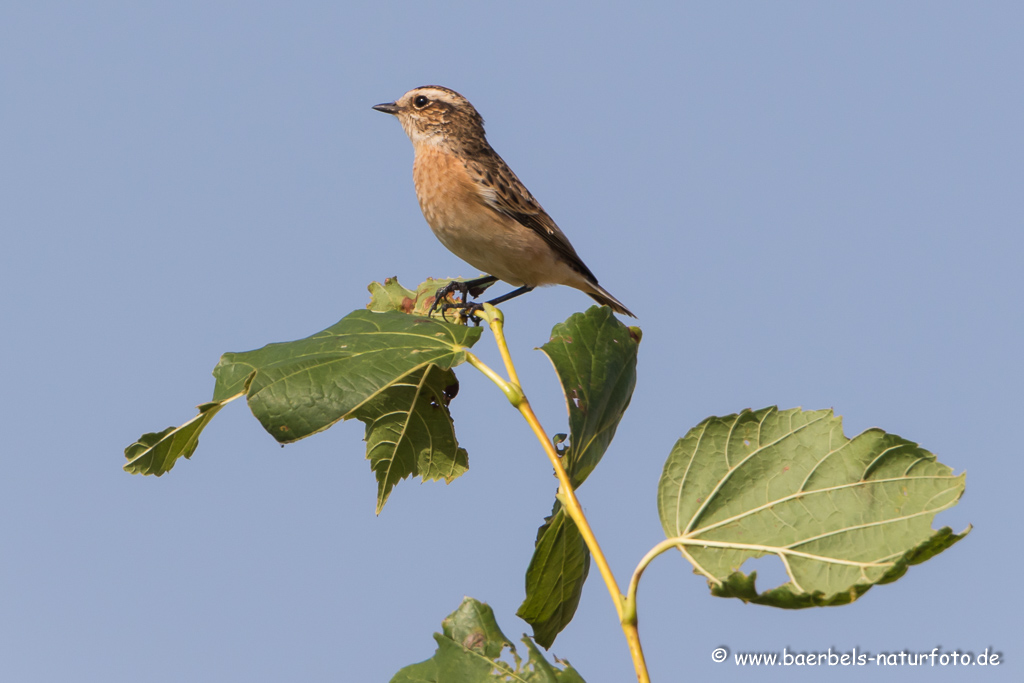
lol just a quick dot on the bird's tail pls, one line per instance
(604, 297)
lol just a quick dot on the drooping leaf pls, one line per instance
(302, 387)
(156, 452)
(842, 514)
(392, 296)
(409, 430)
(468, 649)
(595, 357)
(555, 577)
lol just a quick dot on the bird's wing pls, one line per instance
(502, 192)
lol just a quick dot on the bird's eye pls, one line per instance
(421, 101)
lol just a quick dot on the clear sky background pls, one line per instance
(807, 204)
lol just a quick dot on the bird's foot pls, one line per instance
(441, 298)
(465, 289)
(467, 311)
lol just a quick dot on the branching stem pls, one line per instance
(625, 609)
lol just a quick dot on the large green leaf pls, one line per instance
(468, 649)
(409, 430)
(302, 387)
(390, 370)
(595, 357)
(842, 514)
(555, 577)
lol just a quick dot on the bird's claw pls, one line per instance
(468, 308)
(441, 296)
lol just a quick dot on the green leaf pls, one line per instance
(156, 452)
(409, 430)
(595, 357)
(538, 670)
(468, 651)
(302, 387)
(390, 370)
(391, 296)
(842, 514)
(555, 577)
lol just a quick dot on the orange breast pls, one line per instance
(489, 241)
(446, 193)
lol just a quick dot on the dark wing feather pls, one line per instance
(511, 198)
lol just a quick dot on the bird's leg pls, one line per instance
(466, 288)
(469, 288)
(476, 287)
(469, 309)
(511, 295)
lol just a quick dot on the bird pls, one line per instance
(477, 207)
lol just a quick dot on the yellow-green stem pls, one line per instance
(634, 582)
(512, 392)
(566, 494)
(496, 320)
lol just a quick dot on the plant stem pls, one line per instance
(566, 494)
(634, 582)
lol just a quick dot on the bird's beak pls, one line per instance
(387, 108)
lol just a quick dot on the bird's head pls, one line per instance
(432, 114)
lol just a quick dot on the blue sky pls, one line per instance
(806, 204)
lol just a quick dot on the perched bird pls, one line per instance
(476, 205)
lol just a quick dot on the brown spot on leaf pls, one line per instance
(474, 640)
(407, 304)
